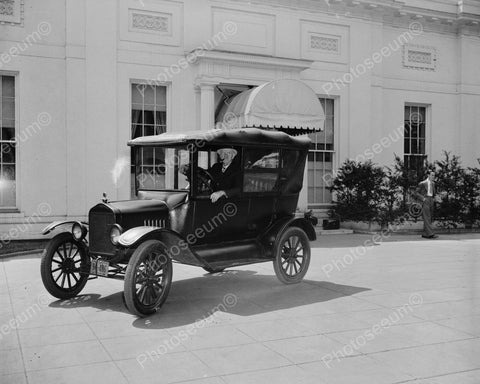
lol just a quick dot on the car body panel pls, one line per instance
(196, 231)
(50, 227)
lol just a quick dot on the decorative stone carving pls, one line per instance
(11, 12)
(150, 22)
(7, 7)
(322, 43)
(419, 57)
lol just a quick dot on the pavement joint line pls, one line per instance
(67, 366)
(437, 376)
(108, 353)
(275, 352)
(458, 330)
(246, 371)
(21, 253)
(422, 345)
(57, 343)
(423, 322)
(15, 329)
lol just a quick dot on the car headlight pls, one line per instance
(79, 231)
(115, 233)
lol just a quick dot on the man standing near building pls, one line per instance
(426, 192)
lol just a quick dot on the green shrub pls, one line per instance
(470, 198)
(390, 208)
(366, 192)
(449, 176)
(355, 188)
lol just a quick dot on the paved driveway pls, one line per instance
(403, 311)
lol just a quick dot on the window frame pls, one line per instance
(16, 207)
(132, 185)
(139, 165)
(333, 152)
(427, 138)
(280, 159)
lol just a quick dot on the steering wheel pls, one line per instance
(205, 180)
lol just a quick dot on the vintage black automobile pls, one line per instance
(175, 220)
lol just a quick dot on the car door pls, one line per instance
(224, 220)
(260, 186)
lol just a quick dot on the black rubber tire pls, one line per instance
(58, 257)
(288, 268)
(156, 252)
(213, 270)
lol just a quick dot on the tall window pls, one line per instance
(7, 142)
(414, 138)
(149, 117)
(320, 159)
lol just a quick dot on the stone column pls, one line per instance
(207, 106)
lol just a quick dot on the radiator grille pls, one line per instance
(154, 223)
(100, 225)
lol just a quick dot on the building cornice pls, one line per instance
(462, 17)
(251, 59)
(215, 66)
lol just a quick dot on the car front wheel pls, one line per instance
(64, 266)
(292, 256)
(148, 278)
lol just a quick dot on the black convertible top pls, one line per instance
(222, 137)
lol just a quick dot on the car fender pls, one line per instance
(177, 248)
(281, 225)
(49, 228)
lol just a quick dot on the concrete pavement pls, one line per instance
(404, 311)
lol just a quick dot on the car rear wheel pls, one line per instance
(213, 270)
(292, 256)
(148, 278)
(64, 266)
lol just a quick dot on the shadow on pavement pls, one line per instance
(113, 302)
(237, 292)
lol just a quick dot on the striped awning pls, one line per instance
(284, 105)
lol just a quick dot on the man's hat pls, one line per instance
(228, 150)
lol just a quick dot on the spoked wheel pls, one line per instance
(64, 266)
(292, 256)
(148, 278)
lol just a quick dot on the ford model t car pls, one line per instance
(214, 199)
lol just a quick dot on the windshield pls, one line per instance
(158, 168)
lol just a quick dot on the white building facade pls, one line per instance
(79, 78)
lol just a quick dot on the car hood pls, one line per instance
(130, 214)
(137, 206)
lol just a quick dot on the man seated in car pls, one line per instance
(225, 174)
